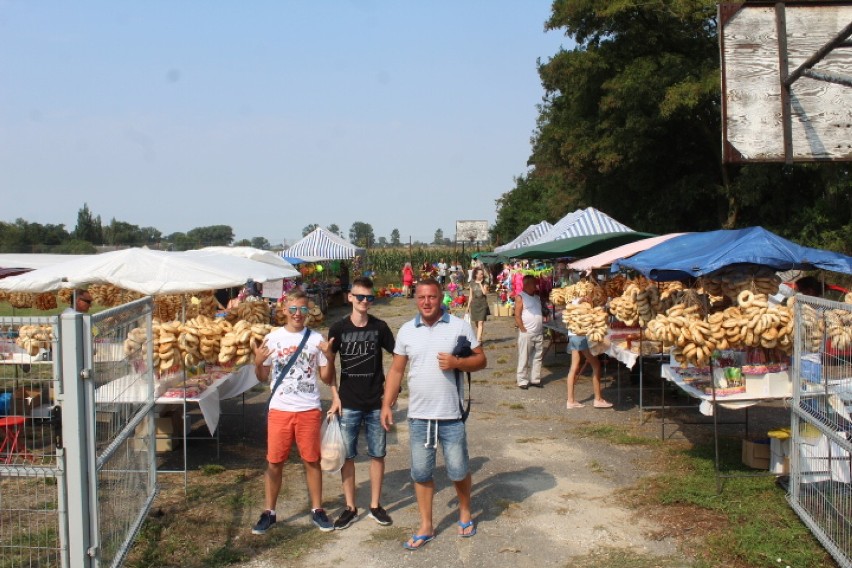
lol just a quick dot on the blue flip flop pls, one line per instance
(465, 526)
(423, 539)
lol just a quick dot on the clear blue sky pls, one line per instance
(268, 115)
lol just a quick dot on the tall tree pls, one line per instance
(260, 243)
(631, 124)
(361, 234)
(394, 237)
(335, 229)
(309, 229)
(88, 227)
(439, 237)
(213, 235)
(383, 241)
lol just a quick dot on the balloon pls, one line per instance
(447, 299)
(319, 268)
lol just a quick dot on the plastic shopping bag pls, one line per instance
(332, 448)
(467, 317)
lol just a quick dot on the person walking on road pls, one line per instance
(435, 404)
(477, 302)
(359, 339)
(529, 317)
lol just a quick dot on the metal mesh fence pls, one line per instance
(123, 398)
(31, 504)
(820, 459)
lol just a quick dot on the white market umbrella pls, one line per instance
(148, 272)
(251, 253)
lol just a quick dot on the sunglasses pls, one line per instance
(304, 309)
(364, 297)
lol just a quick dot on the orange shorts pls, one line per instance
(283, 428)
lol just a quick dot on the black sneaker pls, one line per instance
(265, 523)
(380, 515)
(320, 519)
(346, 518)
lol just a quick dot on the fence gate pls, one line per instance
(77, 470)
(820, 465)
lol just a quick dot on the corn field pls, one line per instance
(386, 264)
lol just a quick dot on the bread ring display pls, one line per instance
(745, 298)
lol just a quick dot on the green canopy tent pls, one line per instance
(578, 247)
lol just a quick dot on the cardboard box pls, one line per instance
(164, 435)
(756, 453)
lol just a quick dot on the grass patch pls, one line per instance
(212, 469)
(527, 440)
(502, 359)
(615, 435)
(513, 406)
(497, 374)
(609, 556)
(595, 466)
(390, 534)
(748, 524)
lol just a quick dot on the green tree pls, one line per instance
(260, 243)
(394, 238)
(309, 229)
(383, 242)
(439, 237)
(150, 235)
(361, 234)
(213, 235)
(122, 233)
(243, 243)
(335, 230)
(88, 227)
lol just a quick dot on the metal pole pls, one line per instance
(79, 469)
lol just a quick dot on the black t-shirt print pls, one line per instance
(362, 377)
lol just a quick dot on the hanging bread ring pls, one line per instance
(745, 298)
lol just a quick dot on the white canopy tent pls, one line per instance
(527, 236)
(148, 272)
(251, 253)
(34, 261)
(580, 223)
(322, 244)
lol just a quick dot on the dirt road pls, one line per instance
(542, 494)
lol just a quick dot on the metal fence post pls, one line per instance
(75, 432)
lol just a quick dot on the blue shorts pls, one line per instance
(577, 343)
(350, 425)
(424, 449)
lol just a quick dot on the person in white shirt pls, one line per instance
(529, 317)
(434, 404)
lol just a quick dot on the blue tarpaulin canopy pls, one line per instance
(696, 254)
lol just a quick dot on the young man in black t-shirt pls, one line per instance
(359, 339)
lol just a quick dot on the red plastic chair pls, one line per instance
(12, 444)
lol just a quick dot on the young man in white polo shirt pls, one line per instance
(434, 403)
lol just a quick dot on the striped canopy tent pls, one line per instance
(322, 244)
(529, 235)
(581, 223)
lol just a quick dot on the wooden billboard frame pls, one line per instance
(772, 114)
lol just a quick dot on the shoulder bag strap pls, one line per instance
(463, 408)
(289, 364)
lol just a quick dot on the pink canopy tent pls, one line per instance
(608, 257)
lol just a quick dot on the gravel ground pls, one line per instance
(543, 494)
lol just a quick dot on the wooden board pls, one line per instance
(751, 84)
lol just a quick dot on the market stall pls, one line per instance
(185, 350)
(322, 245)
(726, 312)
